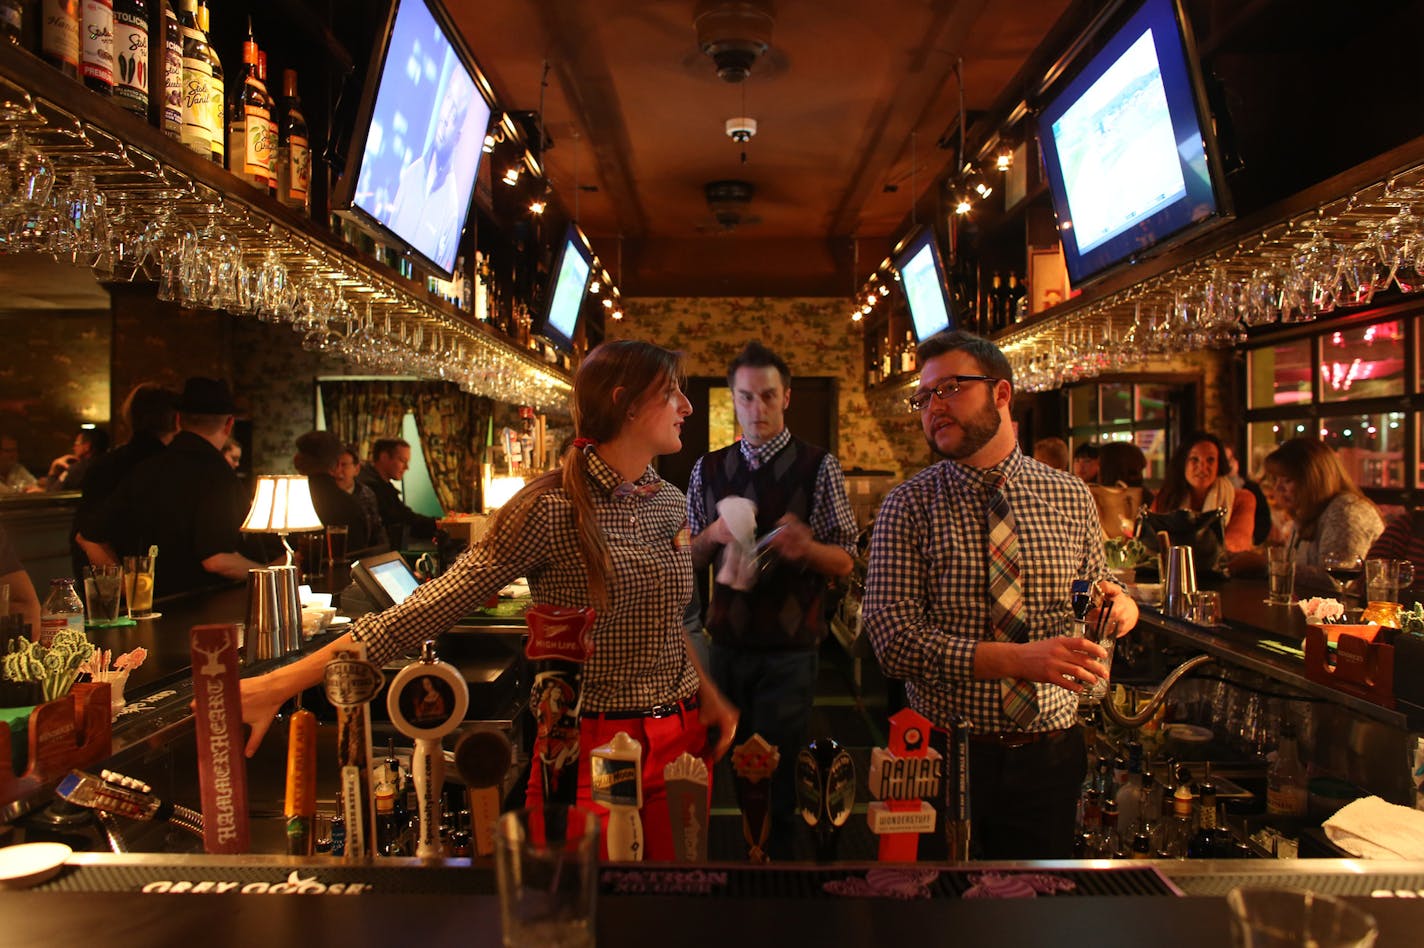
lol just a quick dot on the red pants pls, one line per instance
(663, 740)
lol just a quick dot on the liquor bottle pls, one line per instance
(59, 35)
(12, 19)
(1129, 795)
(995, 305)
(1285, 779)
(293, 149)
(1206, 843)
(1018, 299)
(96, 54)
(249, 120)
(62, 610)
(131, 51)
(215, 92)
(338, 829)
(171, 114)
(388, 830)
(1179, 832)
(1109, 838)
(271, 124)
(907, 354)
(198, 129)
(887, 358)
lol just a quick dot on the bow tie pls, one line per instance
(626, 489)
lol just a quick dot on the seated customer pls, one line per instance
(15, 478)
(1331, 514)
(390, 457)
(1194, 482)
(1119, 493)
(320, 457)
(23, 598)
(67, 471)
(185, 500)
(1085, 462)
(1051, 451)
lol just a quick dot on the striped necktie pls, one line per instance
(1007, 621)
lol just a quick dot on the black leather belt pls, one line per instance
(657, 711)
(1018, 738)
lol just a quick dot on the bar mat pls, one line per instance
(206, 876)
(1330, 883)
(118, 623)
(889, 882)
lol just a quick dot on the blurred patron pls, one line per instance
(67, 472)
(1051, 451)
(390, 458)
(185, 500)
(15, 478)
(1261, 530)
(1331, 514)
(1195, 482)
(152, 416)
(232, 453)
(1085, 462)
(23, 598)
(330, 468)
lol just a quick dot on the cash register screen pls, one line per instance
(385, 578)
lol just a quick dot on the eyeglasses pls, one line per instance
(948, 387)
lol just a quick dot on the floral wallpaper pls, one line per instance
(816, 339)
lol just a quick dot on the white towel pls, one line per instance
(1376, 829)
(738, 568)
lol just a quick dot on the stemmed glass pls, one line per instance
(1344, 569)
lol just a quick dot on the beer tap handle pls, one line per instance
(687, 781)
(222, 766)
(426, 701)
(351, 682)
(617, 777)
(482, 758)
(753, 763)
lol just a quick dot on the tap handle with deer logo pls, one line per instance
(222, 768)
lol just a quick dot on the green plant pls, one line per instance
(1125, 552)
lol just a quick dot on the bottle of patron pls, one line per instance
(96, 54)
(249, 119)
(215, 92)
(131, 55)
(198, 59)
(171, 112)
(293, 150)
(59, 35)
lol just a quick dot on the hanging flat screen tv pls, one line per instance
(564, 297)
(1127, 146)
(921, 271)
(418, 143)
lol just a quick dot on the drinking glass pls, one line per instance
(102, 586)
(311, 546)
(336, 545)
(4, 600)
(1267, 917)
(1344, 568)
(1280, 576)
(546, 865)
(138, 586)
(1384, 579)
(1206, 607)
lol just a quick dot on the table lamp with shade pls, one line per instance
(282, 504)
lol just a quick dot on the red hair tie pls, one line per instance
(585, 443)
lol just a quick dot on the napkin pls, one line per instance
(738, 568)
(1376, 829)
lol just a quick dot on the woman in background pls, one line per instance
(1195, 482)
(1330, 513)
(603, 531)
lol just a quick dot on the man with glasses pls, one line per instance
(968, 600)
(765, 638)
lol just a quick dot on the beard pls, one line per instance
(978, 430)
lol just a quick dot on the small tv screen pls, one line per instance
(1127, 147)
(423, 139)
(564, 299)
(386, 579)
(922, 280)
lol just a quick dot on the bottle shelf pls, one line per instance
(372, 314)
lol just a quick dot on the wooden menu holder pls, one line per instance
(72, 731)
(1361, 667)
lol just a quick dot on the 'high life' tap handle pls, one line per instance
(753, 763)
(560, 641)
(616, 770)
(427, 700)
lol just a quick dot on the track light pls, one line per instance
(1004, 157)
(511, 175)
(617, 314)
(596, 287)
(537, 206)
(963, 203)
(608, 302)
(884, 290)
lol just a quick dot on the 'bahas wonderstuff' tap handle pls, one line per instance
(617, 776)
(428, 700)
(560, 641)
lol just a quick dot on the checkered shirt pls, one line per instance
(639, 654)
(832, 520)
(926, 605)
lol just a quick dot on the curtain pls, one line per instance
(451, 426)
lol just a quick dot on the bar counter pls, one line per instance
(407, 902)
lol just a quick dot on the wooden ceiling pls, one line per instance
(855, 101)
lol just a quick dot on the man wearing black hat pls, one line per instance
(185, 500)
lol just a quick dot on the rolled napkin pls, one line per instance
(1376, 829)
(738, 568)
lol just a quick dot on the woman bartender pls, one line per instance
(603, 531)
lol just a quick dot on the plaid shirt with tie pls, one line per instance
(927, 603)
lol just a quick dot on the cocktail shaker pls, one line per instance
(1181, 582)
(289, 607)
(263, 640)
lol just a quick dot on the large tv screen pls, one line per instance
(1127, 147)
(564, 298)
(425, 123)
(922, 280)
